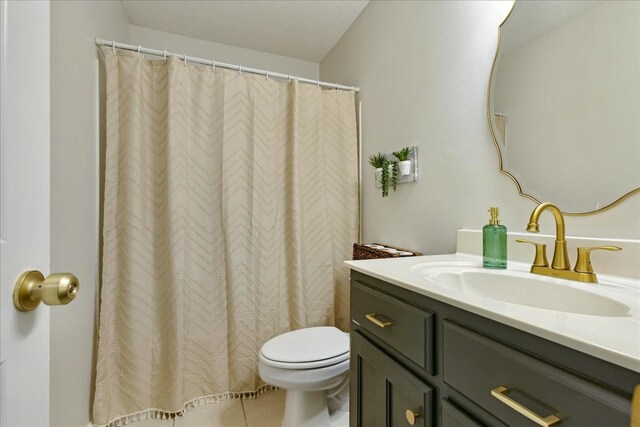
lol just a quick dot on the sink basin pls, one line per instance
(521, 288)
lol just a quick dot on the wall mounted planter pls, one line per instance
(412, 173)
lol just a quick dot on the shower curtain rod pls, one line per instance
(116, 45)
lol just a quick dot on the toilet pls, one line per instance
(312, 365)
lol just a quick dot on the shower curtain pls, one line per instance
(231, 201)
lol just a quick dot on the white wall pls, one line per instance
(74, 194)
(161, 40)
(423, 69)
(557, 115)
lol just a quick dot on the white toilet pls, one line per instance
(312, 365)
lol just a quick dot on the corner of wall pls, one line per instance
(74, 201)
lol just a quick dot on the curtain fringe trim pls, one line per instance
(159, 414)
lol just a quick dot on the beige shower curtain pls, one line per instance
(231, 201)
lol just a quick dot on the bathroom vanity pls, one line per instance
(427, 355)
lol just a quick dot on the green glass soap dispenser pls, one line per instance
(494, 242)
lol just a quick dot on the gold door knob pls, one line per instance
(32, 288)
(412, 416)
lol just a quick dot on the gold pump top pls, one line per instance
(494, 211)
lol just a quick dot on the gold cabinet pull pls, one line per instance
(635, 407)
(500, 393)
(372, 318)
(412, 416)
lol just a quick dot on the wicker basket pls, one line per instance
(360, 251)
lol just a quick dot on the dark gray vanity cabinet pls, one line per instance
(418, 360)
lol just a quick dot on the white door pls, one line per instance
(24, 207)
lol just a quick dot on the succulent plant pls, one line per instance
(377, 160)
(394, 175)
(389, 173)
(402, 154)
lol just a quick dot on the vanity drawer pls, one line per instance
(407, 329)
(499, 379)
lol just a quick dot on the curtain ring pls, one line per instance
(185, 60)
(213, 65)
(164, 55)
(139, 47)
(113, 47)
(318, 83)
(267, 74)
(289, 77)
(240, 69)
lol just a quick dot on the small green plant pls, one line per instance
(384, 178)
(388, 174)
(377, 160)
(403, 154)
(394, 175)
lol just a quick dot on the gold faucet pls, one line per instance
(560, 266)
(560, 257)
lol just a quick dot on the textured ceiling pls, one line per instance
(298, 29)
(532, 18)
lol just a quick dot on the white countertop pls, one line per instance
(614, 339)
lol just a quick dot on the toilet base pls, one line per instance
(306, 409)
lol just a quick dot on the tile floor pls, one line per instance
(266, 410)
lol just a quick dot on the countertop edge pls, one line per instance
(593, 349)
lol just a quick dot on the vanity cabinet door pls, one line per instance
(508, 383)
(367, 406)
(383, 392)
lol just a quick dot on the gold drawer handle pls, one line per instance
(372, 318)
(412, 416)
(500, 393)
(635, 407)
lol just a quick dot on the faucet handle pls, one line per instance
(583, 264)
(541, 253)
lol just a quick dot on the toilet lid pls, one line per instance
(307, 345)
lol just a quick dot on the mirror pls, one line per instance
(564, 102)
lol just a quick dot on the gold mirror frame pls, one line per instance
(495, 141)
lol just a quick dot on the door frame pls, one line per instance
(3, 373)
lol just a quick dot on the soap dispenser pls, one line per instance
(494, 242)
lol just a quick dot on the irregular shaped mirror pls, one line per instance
(564, 102)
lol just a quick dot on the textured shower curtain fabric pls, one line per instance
(230, 204)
